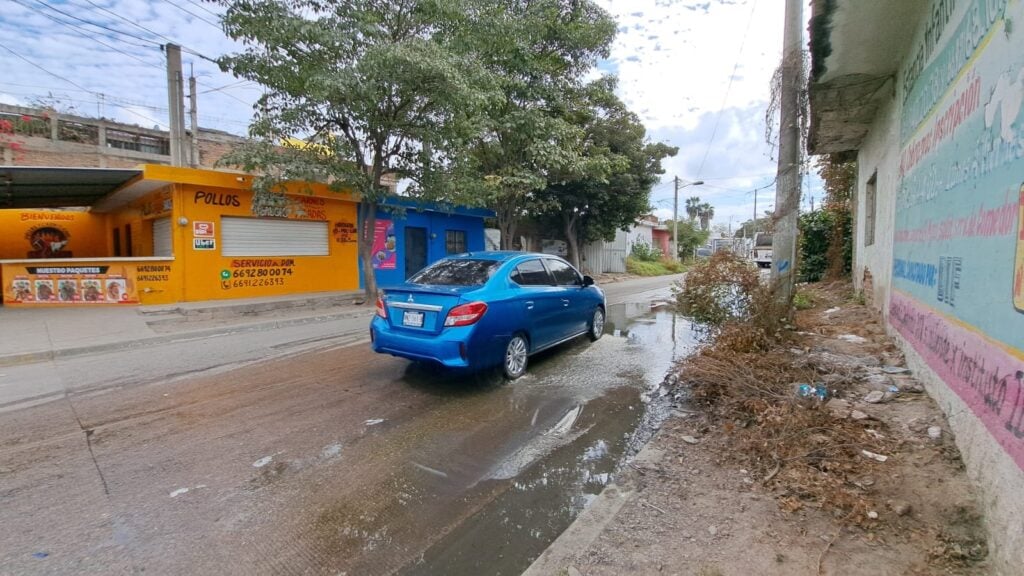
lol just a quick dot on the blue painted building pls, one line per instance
(410, 235)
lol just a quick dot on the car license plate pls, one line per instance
(410, 318)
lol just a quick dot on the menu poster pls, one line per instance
(72, 285)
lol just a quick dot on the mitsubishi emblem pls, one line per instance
(410, 299)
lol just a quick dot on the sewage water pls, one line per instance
(620, 399)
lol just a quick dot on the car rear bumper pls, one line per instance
(451, 351)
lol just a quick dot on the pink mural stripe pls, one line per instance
(987, 377)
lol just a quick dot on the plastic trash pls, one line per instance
(818, 391)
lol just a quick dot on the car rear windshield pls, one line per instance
(460, 272)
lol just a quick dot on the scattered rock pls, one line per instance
(874, 397)
(858, 415)
(262, 462)
(832, 310)
(935, 433)
(818, 439)
(852, 338)
(713, 530)
(917, 425)
(895, 370)
(873, 515)
(838, 408)
(573, 571)
(900, 507)
(863, 482)
(690, 440)
(878, 380)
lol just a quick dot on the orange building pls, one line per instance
(159, 234)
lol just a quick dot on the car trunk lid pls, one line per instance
(422, 309)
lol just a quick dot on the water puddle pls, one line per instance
(616, 400)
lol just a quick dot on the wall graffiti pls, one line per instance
(958, 253)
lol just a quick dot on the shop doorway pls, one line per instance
(415, 249)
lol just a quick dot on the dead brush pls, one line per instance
(727, 294)
(793, 444)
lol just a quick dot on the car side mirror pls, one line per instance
(588, 281)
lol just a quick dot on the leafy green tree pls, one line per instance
(751, 227)
(374, 87)
(610, 186)
(839, 175)
(539, 51)
(690, 237)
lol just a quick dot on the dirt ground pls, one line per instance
(693, 503)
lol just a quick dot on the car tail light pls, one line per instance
(382, 311)
(465, 314)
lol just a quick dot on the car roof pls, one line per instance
(499, 255)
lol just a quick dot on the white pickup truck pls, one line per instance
(762, 253)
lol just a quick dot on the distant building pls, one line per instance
(39, 137)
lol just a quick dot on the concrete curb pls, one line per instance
(183, 336)
(589, 525)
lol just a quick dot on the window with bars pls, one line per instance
(454, 241)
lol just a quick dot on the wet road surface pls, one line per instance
(333, 461)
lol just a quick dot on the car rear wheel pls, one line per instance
(516, 356)
(596, 325)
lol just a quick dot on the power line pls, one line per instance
(72, 82)
(237, 84)
(77, 30)
(141, 27)
(198, 5)
(73, 17)
(725, 99)
(193, 14)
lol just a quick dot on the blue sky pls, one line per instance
(697, 73)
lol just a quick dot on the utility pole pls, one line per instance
(675, 221)
(675, 215)
(787, 182)
(194, 120)
(175, 104)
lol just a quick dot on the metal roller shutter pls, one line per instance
(162, 245)
(259, 237)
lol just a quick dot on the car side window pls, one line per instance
(531, 273)
(564, 274)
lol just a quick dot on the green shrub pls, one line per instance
(802, 301)
(645, 252)
(657, 268)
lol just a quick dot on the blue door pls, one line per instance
(540, 302)
(573, 315)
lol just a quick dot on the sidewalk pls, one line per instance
(29, 335)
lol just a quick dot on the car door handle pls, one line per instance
(565, 302)
(529, 305)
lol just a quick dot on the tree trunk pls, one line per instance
(507, 224)
(569, 222)
(365, 247)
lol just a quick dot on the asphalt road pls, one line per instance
(305, 453)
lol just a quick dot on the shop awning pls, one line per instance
(46, 187)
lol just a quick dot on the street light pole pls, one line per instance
(675, 216)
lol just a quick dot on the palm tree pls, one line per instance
(705, 212)
(692, 207)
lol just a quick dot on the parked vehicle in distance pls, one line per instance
(762, 252)
(484, 309)
(702, 252)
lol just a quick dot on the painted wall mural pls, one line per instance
(958, 255)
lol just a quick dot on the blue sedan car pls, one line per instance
(486, 309)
